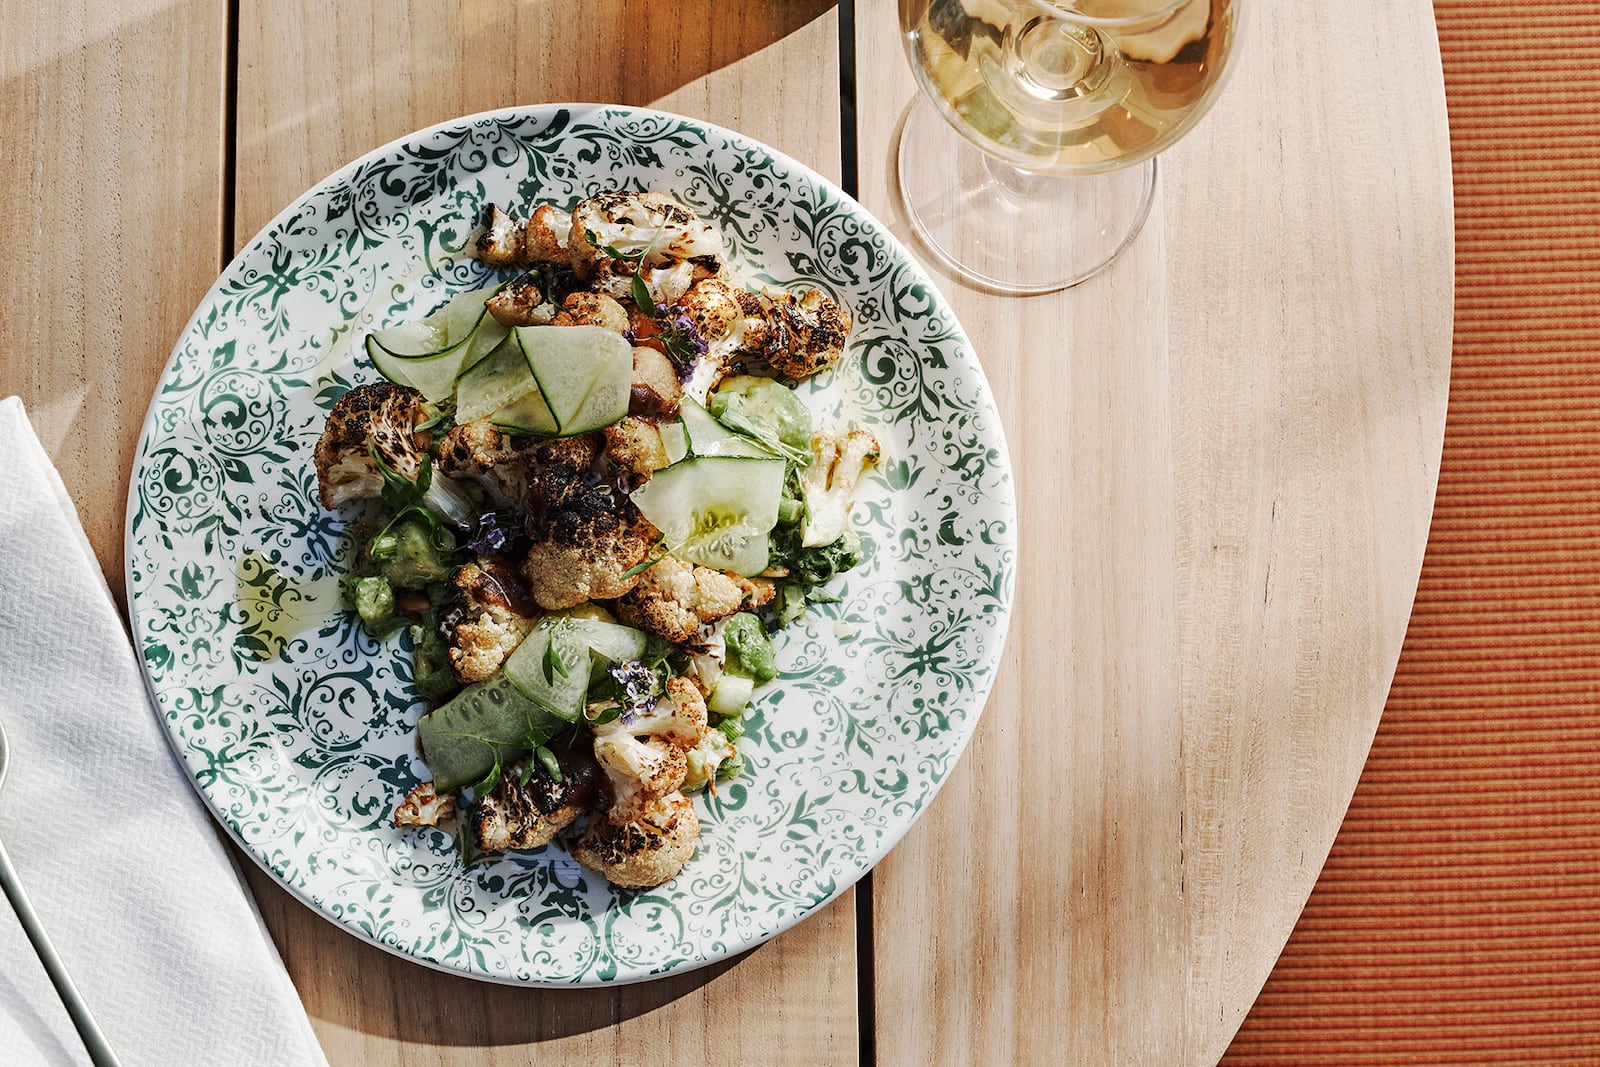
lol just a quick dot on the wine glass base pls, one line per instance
(1011, 230)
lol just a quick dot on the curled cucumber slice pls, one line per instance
(716, 510)
(431, 353)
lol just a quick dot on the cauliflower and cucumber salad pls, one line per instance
(596, 499)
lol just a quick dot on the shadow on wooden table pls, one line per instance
(386, 997)
(305, 109)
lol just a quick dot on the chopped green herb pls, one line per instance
(548, 761)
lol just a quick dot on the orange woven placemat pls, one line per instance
(1458, 917)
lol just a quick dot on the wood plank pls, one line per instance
(320, 84)
(110, 194)
(1226, 448)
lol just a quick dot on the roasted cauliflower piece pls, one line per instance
(500, 243)
(521, 303)
(806, 333)
(527, 815)
(679, 716)
(723, 313)
(653, 227)
(675, 600)
(490, 616)
(837, 464)
(503, 463)
(645, 852)
(644, 755)
(656, 390)
(635, 447)
(506, 242)
(588, 542)
(381, 415)
(591, 309)
(638, 770)
(795, 335)
(423, 807)
(657, 239)
(476, 451)
(544, 239)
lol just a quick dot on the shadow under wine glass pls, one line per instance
(1028, 162)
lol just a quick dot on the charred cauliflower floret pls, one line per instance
(721, 311)
(527, 814)
(635, 447)
(591, 309)
(645, 852)
(644, 755)
(500, 243)
(476, 451)
(796, 335)
(732, 323)
(837, 463)
(376, 418)
(675, 599)
(503, 463)
(680, 716)
(545, 238)
(507, 242)
(659, 239)
(575, 453)
(423, 807)
(588, 542)
(807, 333)
(655, 390)
(490, 616)
(521, 303)
(638, 770)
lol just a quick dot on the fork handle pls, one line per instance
(88, 1030)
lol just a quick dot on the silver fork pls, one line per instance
(88, 1030)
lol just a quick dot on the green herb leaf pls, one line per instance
(548, 761)
(490, 780)
(642, 297)
(553, 662)
(734, 418)
(657, 553)
(611, 250)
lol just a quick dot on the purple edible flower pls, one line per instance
(494, 531)
(639, 688)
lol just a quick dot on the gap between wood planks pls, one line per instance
(849, 179)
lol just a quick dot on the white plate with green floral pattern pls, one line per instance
(298, 729)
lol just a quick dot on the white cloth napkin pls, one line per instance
(118, 854)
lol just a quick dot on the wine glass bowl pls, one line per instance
(1027, 163)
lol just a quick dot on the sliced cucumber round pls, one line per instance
(529, 417)
(716, 510)
(551, 665)
(675, 439)
(485, 722)
(584, 372)
(708, 437)
(495, 383)
(431, 353)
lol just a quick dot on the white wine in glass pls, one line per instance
(1028, 164)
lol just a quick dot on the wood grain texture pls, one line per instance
(320, 84)
(1226, 448)
(1457, 919)
(110, 215)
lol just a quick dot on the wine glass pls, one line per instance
(1027, 164)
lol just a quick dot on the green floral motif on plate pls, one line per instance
(298, 729)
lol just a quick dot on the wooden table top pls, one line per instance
(1225, 448)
